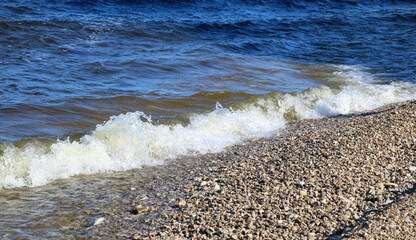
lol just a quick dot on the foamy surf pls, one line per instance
(132, 140)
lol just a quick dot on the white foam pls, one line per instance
(127, 142)
(131, 140)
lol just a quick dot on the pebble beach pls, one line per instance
(345, 177)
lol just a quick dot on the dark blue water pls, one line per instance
(79, 62)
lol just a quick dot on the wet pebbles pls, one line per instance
(343, 177)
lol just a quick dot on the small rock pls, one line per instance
(387, 202)
(390, 185)
(138, 209)
(412, 168)
(224, 231)
(181, 203)
(216, 187)
(303, 193)
(311, 235)
(250, 225)
(345, 217)
(96, 222)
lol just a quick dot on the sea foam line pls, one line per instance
(127, 141)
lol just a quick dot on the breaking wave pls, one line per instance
(132, 140)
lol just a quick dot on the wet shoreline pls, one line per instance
(323, 178)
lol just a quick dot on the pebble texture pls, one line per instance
(343, 177)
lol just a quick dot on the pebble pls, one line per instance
(216, 188)
(387, 202)
(311, 236)
(181, 203)
(390, 185)
(303, 193)
(96, 222)
(138, 209)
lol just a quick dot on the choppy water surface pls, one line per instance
(102, 86)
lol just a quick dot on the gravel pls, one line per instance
(343, 177)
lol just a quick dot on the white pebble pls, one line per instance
(96, 222)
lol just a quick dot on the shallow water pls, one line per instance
(103, 86)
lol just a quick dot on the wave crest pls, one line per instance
(132, 140)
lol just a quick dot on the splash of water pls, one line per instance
(132, 140)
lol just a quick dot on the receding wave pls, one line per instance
(132, 140)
